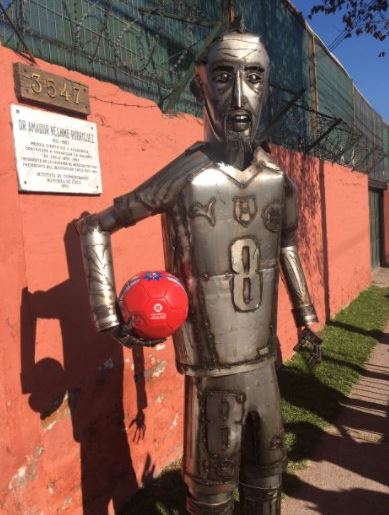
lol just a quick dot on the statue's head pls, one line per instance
(231, 81)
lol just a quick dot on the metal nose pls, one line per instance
(237, 93)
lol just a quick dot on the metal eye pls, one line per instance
(254, 78)
(223, 77)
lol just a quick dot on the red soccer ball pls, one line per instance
(158, 303)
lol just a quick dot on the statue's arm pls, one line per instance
(95, 235)
(154, 196)
(303, 310)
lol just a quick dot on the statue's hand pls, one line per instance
(123, 334)
(311, 342)
(140, 426)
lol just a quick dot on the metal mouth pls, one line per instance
(239, 121)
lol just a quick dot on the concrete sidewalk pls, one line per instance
(349, 475)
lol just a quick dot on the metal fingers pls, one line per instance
(311, 342)
(123, 334)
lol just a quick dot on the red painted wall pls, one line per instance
(77, 405)
(304, 171)
(84, 421)
(386, 226)
(348, 234)
(333, 235)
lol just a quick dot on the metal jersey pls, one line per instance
(221, 238)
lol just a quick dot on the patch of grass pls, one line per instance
(310, 401)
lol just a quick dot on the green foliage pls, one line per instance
(310, 401)
(359, 17)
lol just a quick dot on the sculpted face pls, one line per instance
(233, 83)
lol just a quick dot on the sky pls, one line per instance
(358, 55)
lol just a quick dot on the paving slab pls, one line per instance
(380, 277)
(349, 475)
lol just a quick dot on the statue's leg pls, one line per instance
(262, 499)
(209, 504)
(263, 451)
(214, 413)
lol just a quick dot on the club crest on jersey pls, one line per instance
(271, 216)
(245, 209)
(205, 210)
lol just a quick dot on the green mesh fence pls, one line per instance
(369, 153)
(335, 98)
(148, 47)
(334, 87)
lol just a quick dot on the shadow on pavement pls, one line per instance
(355, 501)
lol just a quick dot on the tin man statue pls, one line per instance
(229, 217)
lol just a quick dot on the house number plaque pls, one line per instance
(40, 87)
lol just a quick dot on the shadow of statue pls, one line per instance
(323, 404)
(164, 494)
(88, 385)
(373, 333)
(358, 501)
(368, 459)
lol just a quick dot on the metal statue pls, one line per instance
(229, 217)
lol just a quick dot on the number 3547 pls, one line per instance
(70, 93)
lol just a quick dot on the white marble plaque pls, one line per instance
(55, 153)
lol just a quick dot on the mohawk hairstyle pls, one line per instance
(237, 25)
